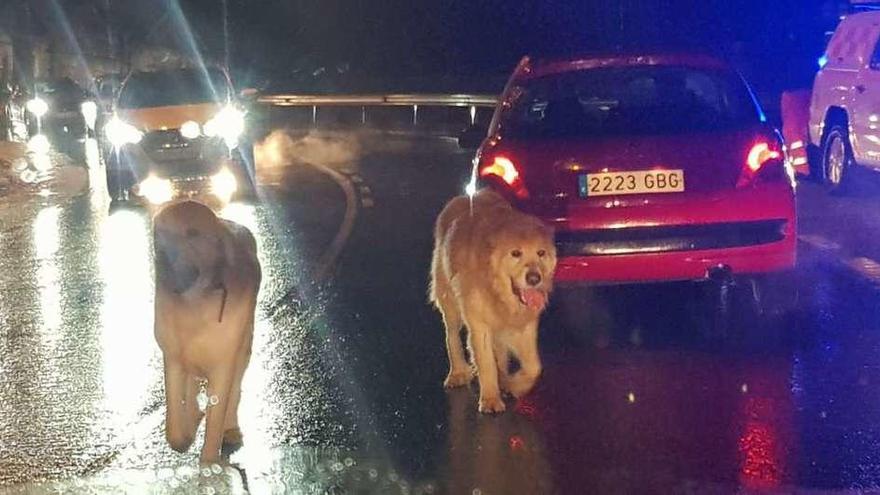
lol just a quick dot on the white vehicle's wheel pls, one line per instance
(837, 159)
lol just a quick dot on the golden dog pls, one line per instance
(207, 279)
(492, 272)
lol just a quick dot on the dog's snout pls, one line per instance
(533, 278)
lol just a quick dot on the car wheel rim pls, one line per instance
(836, 157)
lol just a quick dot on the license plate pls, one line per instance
(637, 182)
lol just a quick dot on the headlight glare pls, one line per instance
(120, 133)
(190, 129)
(90, 113)
(223, 184)
(227, 124)
(156, 190)
(37, 106)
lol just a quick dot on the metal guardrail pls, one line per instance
(444, 100)
(391, 100)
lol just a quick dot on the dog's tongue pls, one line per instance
(533, 299)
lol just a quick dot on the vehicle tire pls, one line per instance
(119, 181)
(116, 186)
(837, 159)
(245, 171)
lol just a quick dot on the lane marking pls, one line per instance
(818, 241)
(860, 266)
(365, 193)
(866, 268)
(328, 260)
(356, 194)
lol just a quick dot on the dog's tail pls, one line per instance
(436, 271)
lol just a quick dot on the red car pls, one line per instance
(652, 167)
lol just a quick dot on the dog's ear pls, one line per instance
(172, 270)
(161, 257)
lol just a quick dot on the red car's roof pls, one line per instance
(537, 68)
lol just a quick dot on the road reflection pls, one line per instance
(634, 420)
(130, 359)
(46, 244)
(343, 393)
(81, 373)
(503, 454)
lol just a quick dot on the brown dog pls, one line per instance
(207, 279)
(492, 272)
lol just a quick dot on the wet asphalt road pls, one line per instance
(344, 395)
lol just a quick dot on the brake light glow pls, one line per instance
(761, 154)
(504, 169)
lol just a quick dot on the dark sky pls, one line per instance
(397, 37)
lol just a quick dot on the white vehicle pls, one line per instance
(844, 126)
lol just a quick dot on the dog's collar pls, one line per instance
(222, 287)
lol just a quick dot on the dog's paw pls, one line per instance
(232, 441)
(492, 405)
(458, 379)
(520, 388)
(232, 437)
(521, 384)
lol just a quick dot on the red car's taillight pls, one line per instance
(764, 162)
(505, 171)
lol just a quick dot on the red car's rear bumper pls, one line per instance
(751, 231)
(672, 266)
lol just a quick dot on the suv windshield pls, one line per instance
(60, 86)
(632, 100)
(160, 89)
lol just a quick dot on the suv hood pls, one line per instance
(172, 117)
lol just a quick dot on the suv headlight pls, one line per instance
(121, 133)
(227, 124)
(190, 129)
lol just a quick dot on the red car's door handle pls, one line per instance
(861, 88)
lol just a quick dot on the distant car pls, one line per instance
(651, 167)
(13, 115)
(845, 106)
(61, 109)
(177, 133)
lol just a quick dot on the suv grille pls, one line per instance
(156, 140)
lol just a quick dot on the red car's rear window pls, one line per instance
(628, 100)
